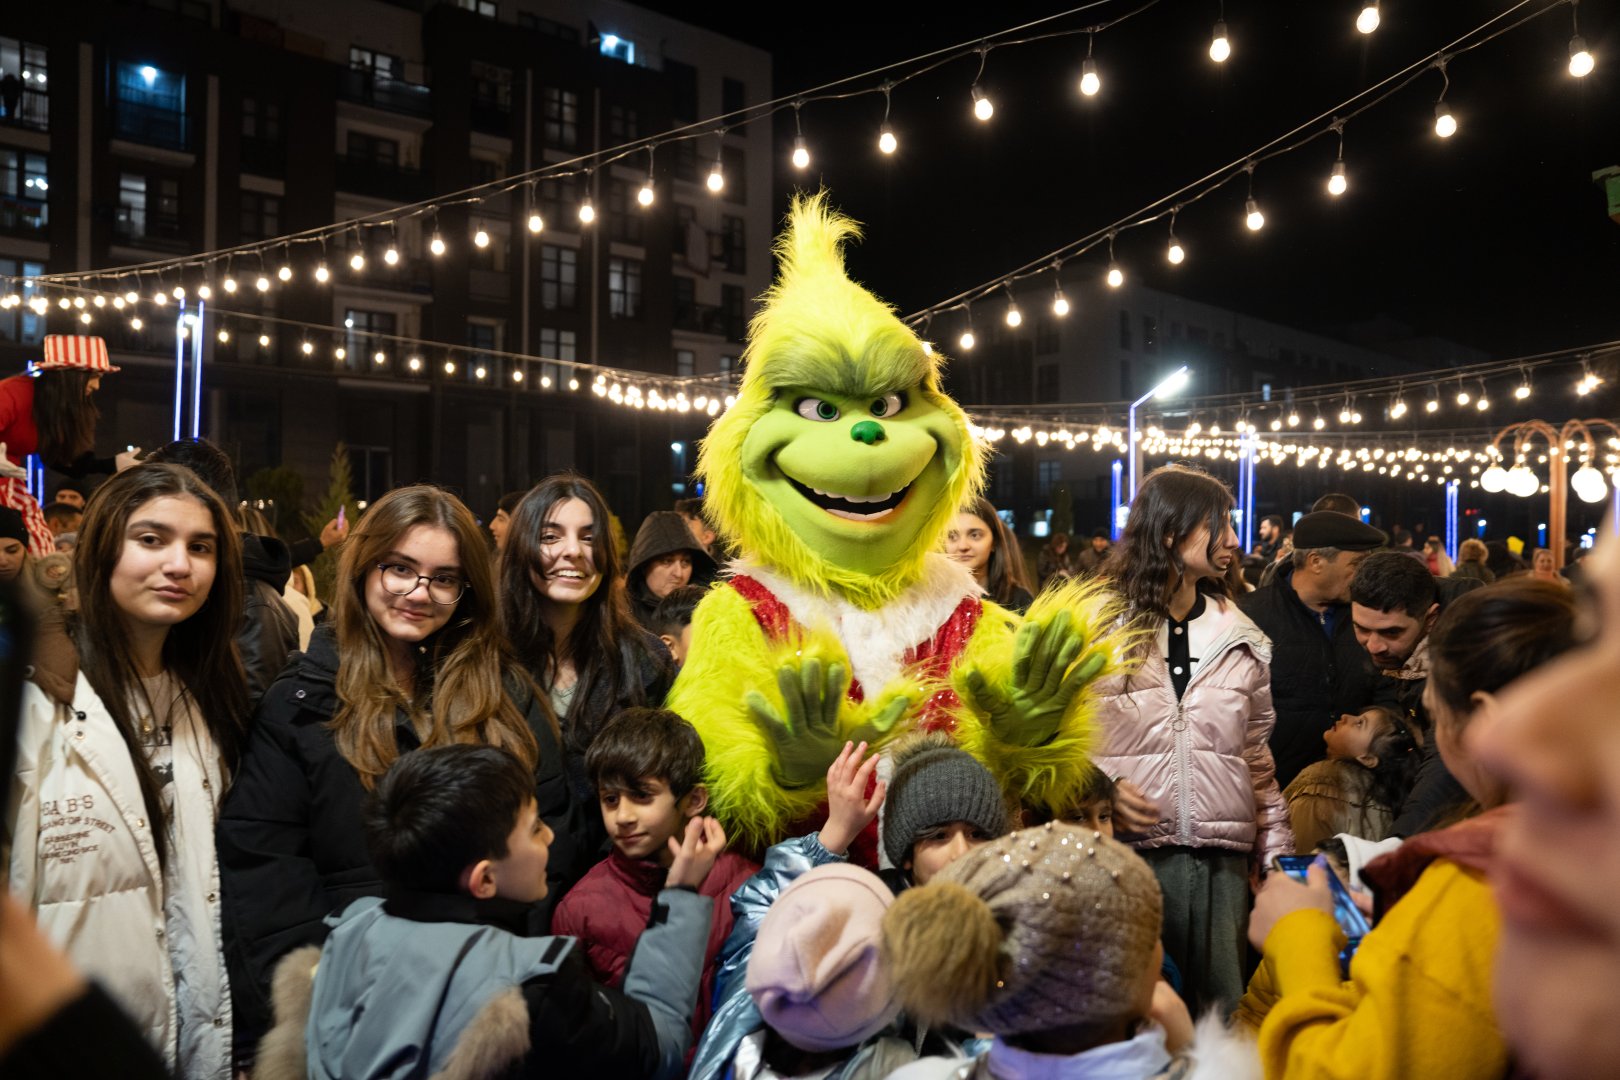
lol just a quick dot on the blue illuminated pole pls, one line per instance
(196, 372)
(1114, 505)
(1173, 382)
(1246, 489)
(33, 466)
(1451, 520)
(179, 369)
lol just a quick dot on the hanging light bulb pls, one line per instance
(1588, 484)
(573, 384)
(135, 323)
(340, 353)
(1580, 66)
(887, 143)
(1338, 183)
(1090, 84)
(179, 293)
(517, 374)
(716, 181)
(391, 256)
(645, 196)
(261, 283)
(1522, 391)
(436, 245)
(118, 303)
(284, 274)
(1462, 396)
(1368, 20)
(1015, 318)
(1220, 46)
(264, 341)
(224, 336)
(1060, 303)
(587, 212)
(307, 348)
(100, 301)
(801, 153)
(357, 261)
(132, 296)
(481, 237)
(1253, 218)
(1494, 479)
(1116, 276)
(414, 363)
(449, 367)
(1521, 481)
(1319, 423)
(202, 290)
(1344, 415)
(379, 357)
(322, 274)
(967, 340)
(157, 298)
(1432, 405)
(1175, 253)
(982, 108)
(1445, 125)
(1397, 409)
(1293, 419)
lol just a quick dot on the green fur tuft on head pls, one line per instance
(820, 335)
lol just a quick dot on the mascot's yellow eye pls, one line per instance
(816, 409)
(888, 405)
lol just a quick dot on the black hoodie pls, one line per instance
(269, 629)
(662, 532)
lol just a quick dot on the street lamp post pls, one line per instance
(1520, 480)
(1172, 383)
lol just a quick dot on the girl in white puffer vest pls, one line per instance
(135, 713)
(1186, 732)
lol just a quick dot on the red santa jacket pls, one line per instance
(608, 910)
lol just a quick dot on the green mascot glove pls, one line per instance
(1045, 679)
(805, 732)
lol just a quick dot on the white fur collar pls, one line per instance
(876, 640)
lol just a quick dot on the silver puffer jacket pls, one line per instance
(1203, 759)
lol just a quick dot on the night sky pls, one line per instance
(1497, 237)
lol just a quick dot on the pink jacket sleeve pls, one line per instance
(1275, 837)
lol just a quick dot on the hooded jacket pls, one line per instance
(291, 846)
(269, 630)
(662, 532)
(1314, 678)
(1204, 759)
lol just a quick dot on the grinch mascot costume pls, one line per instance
(836, 472)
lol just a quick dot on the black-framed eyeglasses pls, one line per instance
(402, 580)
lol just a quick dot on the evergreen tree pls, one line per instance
(339, 494)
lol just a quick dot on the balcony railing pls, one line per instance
(708, 319)
(149, 228)
(384, 179)
(23, 217)
(31, 110)
(150, 124)
(366, 88)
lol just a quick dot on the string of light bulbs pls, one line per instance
(1329, 122)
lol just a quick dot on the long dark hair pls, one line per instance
(200, 652)
(1487, 638)
(605, 637)
(1171, 504)
(64, 414)
(1004, 572)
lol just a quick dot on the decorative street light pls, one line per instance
(1587, 483)
(1171, 384)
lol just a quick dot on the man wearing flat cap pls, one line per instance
(1318, 669)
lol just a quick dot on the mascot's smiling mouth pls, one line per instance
(852, 507)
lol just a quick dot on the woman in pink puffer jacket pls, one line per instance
(1186, 731)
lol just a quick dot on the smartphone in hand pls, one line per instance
(1345, 913)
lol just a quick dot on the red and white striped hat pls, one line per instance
(66, 351)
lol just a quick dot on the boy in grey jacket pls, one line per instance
(438, 980)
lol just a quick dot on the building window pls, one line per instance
(735, 164)
(1124, 329)
(148, 207)
(624, 124)
(626, 221)
(618, 48)
(20, 324)
(685, 224)
(558, 344)
(484, 339)
(381, 66)
(491, 86)
(559, 201)
(1150, 334)
(559, 109)
(372, 149)
(624, 288)
(359, 345)
(150, 105)
(685, 159)
(1046, 383)
(732, 307)
(683, 90)
(734, 244)
(1048, 336)
(261, 216)
(23, 189)
(487, 168)
(26, 103)
(683, 291)
(726, 364)
(486, 8)
(1048, 475)
(261, 120)
(685, 362)
(549, 27)
(733, 95)
(559, 277)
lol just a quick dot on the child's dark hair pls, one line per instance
(674, 611)
(645, 744)
(1099, 788)
(1398, 757)
(438, 811)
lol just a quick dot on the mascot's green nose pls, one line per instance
(868, 432)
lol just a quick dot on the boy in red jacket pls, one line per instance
(647, 768)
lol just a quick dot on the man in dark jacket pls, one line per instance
(1318, 670)
(664, 557)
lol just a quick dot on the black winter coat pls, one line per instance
(291, 846)
(1313, 679)
(268, 633)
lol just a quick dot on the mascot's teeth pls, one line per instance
(855, 498)
(852, 507)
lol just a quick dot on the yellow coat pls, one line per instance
(1418, 1000)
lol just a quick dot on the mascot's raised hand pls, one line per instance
(1047, 673)
(805, 730)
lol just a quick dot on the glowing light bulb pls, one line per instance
(1445, 125)
(966, 340)
(1522, 392)
(481, 237)
(391, 256)
(78, 302)
(801, 153)
(340, 353)
(1319, 423)
(135, 323)
(1014, 316)
(1368, 20)
(645, 196)
(118, 302)
(481, 371)
(449, 367)
(1397, 410)
(1580, 61)
(179, 294)
(1463, 398)
(886, 140)
(357, 261)
(587, 212)
(1483, 403)
(132, 297)
(264, 341)
(1338, 183)
(1254, 219)
(716, 181)
(1344, 415)
(517, 374)
(379, 357)
(573, 384)
(261, 283)
(1089, 82)
(1432, 405)
(1116, 276)
(436, 245)
(982, 108)
(284, 273)
(307, 348)
(224, 335)
(202, 290)
(414, 363)
(1175, 253)
(84, 317)
(1220, 46)
(1588, 484)
(100, 301)
(157, 298)
(1060, 305)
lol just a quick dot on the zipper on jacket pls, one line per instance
(1183, 779)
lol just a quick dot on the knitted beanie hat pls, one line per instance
(815, 973)
(934, 783)
(12, 527)
(1050, 927)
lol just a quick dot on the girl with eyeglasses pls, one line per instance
(414, 657)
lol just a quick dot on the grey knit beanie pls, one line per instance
(935, 783)
(1049, 927)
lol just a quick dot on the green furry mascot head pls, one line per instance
(842, 460)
